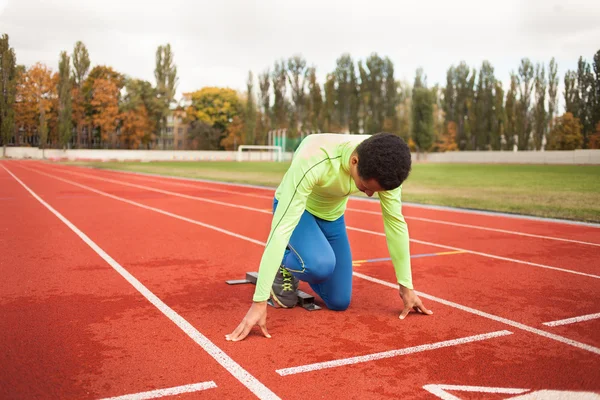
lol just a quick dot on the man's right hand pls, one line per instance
(256, 315)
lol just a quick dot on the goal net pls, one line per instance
(249, 152)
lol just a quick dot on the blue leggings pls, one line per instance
(319, 253)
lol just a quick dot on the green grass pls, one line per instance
(557, 191)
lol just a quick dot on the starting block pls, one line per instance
(305, 300)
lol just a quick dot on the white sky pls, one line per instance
(217, 42)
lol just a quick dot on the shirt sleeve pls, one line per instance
(293, 191)
(396, 232)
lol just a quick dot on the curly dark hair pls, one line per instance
(384, 157)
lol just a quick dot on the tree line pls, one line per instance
(79, 106)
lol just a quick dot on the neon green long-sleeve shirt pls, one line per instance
(319, 181)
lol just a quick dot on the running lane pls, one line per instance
(196, 290)
(71, 326)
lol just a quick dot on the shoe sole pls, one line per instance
(276, 300)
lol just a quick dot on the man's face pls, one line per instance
(368, 187)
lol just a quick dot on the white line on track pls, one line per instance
(370, 200)
(483, 254)
(358, 210)
(155, 394)
(573, 320)
(440, 390)
(389, 354)
(253, 384)
(263, 211)
(483, 314)
(509, 322)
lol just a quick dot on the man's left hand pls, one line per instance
(411, 301)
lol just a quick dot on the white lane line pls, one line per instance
(370, 200)
(151, 178)
(572, 320)
(482, 254)
(358, 210)
(483, 228)
(493, 317)
(155, 394)
(253, 384)
(389, 354)
(263, 211)
(167, 192)
(440, 390)
(518, 325)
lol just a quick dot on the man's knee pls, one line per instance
(321, 266)
(339, 303)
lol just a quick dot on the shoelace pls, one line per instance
(287, 280)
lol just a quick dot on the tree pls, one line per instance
(136, 110)
(464, 80)
(571, 93)
(484, 107)
(404, 110)
(566, 133)
(449, 102)
(216, 108)
(234, 134)
(8, 91)
(524, 125)
(296, 74)
(264, 122)
(105, 104)
(278, 77)
(314, 116)
(422, 113)
(539, 113)
(552, 91)
(36, 91)
(345, 77)
(585, 84)
(511, 112)
(165, 73)
(330, 123)
(499, 118)
(250, 113)
(390, 100)
(596, 91)
(65, 125)
(81, 66)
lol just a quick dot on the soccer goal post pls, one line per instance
(274, 154)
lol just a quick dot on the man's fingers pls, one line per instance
(263, 328)
(424, 310)
(404, 312)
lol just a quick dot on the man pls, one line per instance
(308, 239)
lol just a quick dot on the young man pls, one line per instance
(308, 239)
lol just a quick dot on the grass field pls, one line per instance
(557, 191)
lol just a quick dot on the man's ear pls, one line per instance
(354, 159)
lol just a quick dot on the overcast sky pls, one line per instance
(217, 42)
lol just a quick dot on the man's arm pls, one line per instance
(396, 233)
(295, 188)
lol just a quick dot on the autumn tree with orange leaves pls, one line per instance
(36, 93)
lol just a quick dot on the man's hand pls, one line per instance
(257, 314)
(411, 300)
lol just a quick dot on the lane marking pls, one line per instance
(572, 320)
(263, 211)
(155, 394)
(509, 322)
(389, 354)
(440, 390)
(493, 317)
(372, 260)
(435, 221)
(482, 254)
(253, 384)
(483, 228)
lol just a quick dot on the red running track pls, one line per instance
(73, 327)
